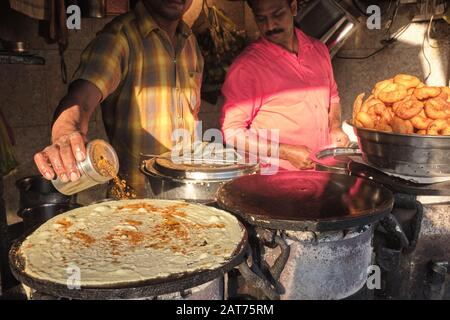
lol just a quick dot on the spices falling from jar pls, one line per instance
(120, 190)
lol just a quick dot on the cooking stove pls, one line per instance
(415, 262)
(310, 232)
(411, 244)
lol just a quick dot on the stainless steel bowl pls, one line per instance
(405, 154)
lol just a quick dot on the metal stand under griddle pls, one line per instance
(412, 244)
(415, 263)
(212, 290)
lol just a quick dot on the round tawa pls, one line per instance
(135, 290)
(310, 200)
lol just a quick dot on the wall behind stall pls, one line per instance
(407, 55)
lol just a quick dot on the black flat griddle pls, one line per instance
(135, 290)
(310, 200)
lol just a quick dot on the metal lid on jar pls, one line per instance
(208, 171)
(101, 162)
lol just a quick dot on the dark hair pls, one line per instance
(251, 2)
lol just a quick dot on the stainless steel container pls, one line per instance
(405, 154)
(326, 265)
(170, 181)
(91, 174)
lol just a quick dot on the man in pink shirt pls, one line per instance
(283, 81)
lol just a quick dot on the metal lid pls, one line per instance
(99, 155)
(312, 200)
(199, 171)
(334, 159)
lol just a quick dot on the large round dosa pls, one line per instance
(127, 241)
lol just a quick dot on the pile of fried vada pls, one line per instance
(404, 105)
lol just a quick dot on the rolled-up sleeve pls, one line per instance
(104, 62)
(243, 98)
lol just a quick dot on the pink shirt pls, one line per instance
(268, 87)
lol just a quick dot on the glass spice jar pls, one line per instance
(100, 166)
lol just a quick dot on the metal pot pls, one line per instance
(35, 191)
(325, 266)
(405, 154)
(34, 217)
(14, 46)
(192, 183)
(93, 8)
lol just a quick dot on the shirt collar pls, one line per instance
(304, 43)
(147, 24)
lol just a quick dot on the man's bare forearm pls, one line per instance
(334, 116)
(248, 143)
(75, 109)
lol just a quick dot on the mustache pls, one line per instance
(274, 32)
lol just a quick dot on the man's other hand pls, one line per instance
(298, 156)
